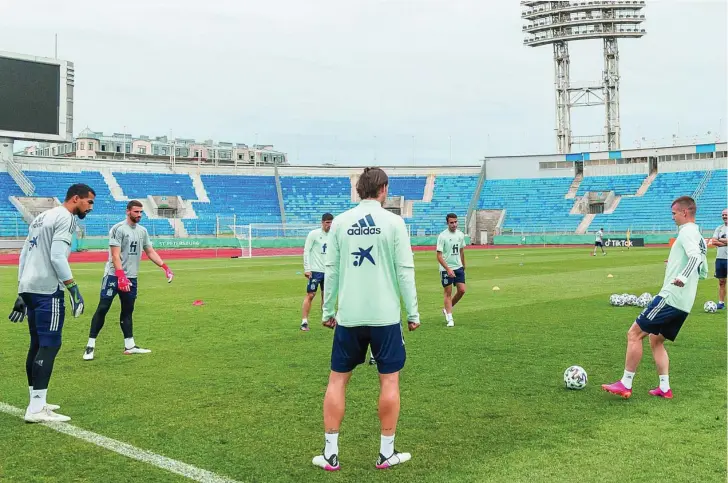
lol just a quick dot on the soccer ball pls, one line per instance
(617, 300)
(644, 300)
(710, 307)
(575, 377)
(632, 300)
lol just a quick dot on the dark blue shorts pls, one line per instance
(660, 318)
(598, 244)
(317, 278)
(110, 288)
(721, 267)
(351, 343)
(458, 278)
(46, 314)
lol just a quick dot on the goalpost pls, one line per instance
(271, 235)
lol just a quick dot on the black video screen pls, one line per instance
(29, 96)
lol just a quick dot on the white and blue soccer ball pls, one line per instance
(644, 300)
(710, 307)
(632, 300)
(617, 300)
(575, 377)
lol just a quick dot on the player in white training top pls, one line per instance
(451, 259)
(720, 240)
(664, 317)
(599, 242)
(314, 259)
(42, 275)
(127, 240)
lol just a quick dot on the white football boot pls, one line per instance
(45, 415)
(136, 350)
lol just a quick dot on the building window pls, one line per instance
(103, 147)
(240, 157)
(81, 146)
(142, 150)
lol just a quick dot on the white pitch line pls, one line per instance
(188, 471)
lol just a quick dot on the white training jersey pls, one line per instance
(599, 236)
(687, 262)
(38, 275)
(450, 243)
(314, 251)
(721, 233)
(132, 240)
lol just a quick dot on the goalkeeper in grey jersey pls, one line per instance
(127, 239)
(42, 275)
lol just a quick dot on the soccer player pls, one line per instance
(598, 242)
(368, 267)
(721, 261)
(314, 255)
(451, 257)
(664, 317)
(42, 273)
(127, 239)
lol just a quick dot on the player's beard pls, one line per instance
(81, 214)
(135, 219)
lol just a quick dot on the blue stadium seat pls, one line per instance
(531, 205)
(621, 185)
(651, 212)
(141, 185)
(306, 198)
(410, 187)
(107, 211)
(251, 199)
(452, 194)
(11, 222)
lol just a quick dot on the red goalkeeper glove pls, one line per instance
(167, 273)
(123, 283)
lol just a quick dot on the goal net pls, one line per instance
(269, 236)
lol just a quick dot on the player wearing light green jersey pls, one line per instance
(369, 266)
(664, 317)
(451, 257)
(314, 260)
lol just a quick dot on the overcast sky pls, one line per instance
(351, 80)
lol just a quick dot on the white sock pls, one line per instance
(627, 379)
(304, 321)
(30, 391)
(448, 317)
(665, 383)
(129, 343)
(332, 444)
(91, 342)
(386, 447)
(37, 400)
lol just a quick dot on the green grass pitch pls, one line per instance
(235, 388)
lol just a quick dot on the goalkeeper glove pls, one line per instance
(74, 294)
(19, 310)
(123, 283)
(168, 272)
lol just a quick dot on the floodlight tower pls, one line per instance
(557, 23)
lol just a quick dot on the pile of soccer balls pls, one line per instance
(620, 300)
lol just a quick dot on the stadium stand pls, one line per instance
(251, 199)
(306, 198)
(621, 185)
(410, 187)
(141, 185)
(531, 205)
(652, 211)
(451, 194)
(107, 211)
(11, 222)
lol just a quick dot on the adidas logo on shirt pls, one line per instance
(364, 226)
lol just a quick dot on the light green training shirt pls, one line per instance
(688, 263)
(369, 264)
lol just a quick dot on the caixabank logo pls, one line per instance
(364, 226)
